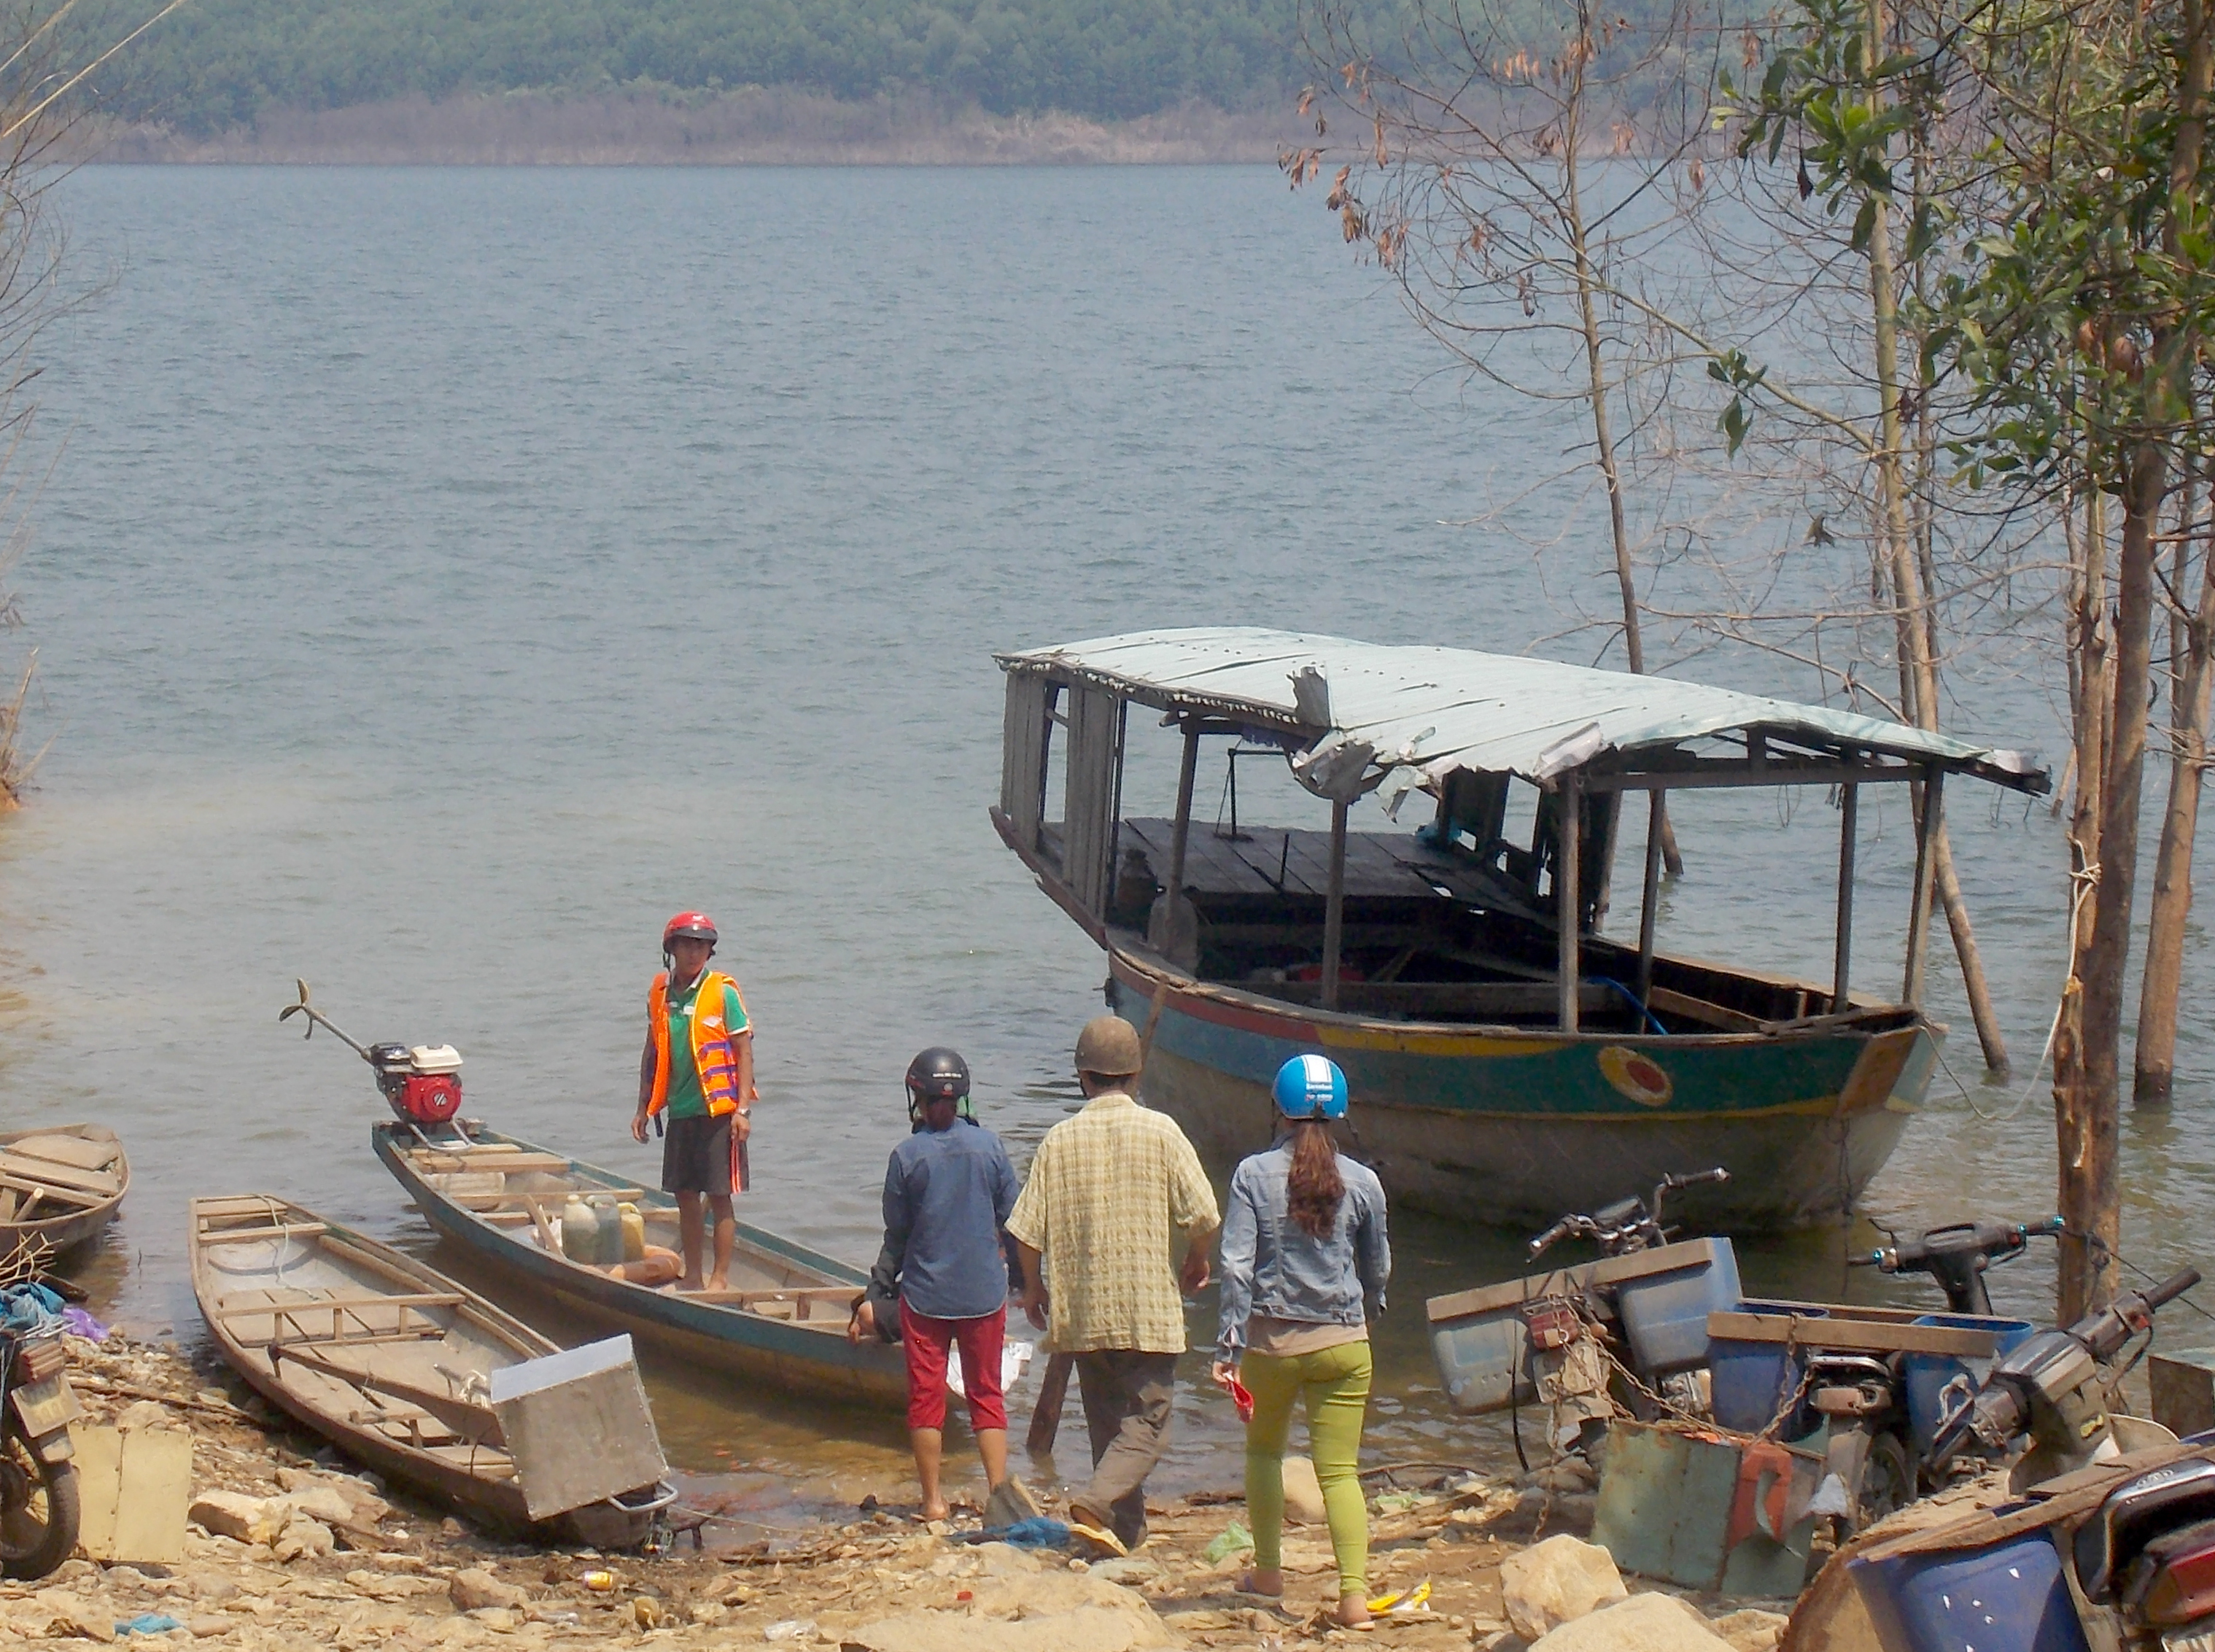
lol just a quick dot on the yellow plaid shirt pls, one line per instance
(1107, 1192)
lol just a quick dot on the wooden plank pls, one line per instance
(77, 1196)
(478, 1202)
(1562, 1281)
(46, 1171)
(512, 1164)
(343, 1304)
(80, 1152)
(467, 1420)
(1699, 1010)
(276, 1231)
(1853, 1335)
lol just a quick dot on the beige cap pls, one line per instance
(1108, 1046)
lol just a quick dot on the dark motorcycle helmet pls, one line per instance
(937, 1074)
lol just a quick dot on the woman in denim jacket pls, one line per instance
(1304, 1264)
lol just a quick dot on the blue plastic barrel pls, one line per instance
(1665, 1316)
(2009, 1597)
(1750, 1380)
(1927, 1374)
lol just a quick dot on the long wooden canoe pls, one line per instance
(374, 1350)
(60, 1186)
(783, 1321)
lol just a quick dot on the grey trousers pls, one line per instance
(1128, 1398)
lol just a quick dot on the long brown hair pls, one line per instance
(1315, 1184)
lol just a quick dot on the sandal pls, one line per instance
(1245, 1586)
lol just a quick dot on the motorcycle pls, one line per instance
(2137, 1574)
(1869, 1400)
(1956, 1258)
(2053, 1389)
(1550, 1339)
(39, 1499)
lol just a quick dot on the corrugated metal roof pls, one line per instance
(1427, 711)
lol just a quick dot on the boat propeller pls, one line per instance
(317, 1018)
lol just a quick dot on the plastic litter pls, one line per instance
(1233, 1540)
(30, 1308)
(791, 1628)
(1404, 1603)
(598, 1582)
(1039, 1531)
(148, 1623)
(82, 1324)
(1394, 1502)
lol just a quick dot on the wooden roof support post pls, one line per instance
(1568, 899)
(1333, 910)
(1652, 887)
(1183, 833)
(1841, 959)
(1926, 867)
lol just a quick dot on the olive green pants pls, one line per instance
(1335, 1385)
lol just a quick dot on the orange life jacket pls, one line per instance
(714, 1052)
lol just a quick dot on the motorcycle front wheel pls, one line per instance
(38, 1510)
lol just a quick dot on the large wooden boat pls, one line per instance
(782, 1322)
(60, 1185)
(374, 1350)
(1506, 1066)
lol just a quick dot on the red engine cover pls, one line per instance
(426, 1098)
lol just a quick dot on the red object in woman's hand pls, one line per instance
(1239, 1396)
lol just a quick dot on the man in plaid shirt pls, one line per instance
(1109, 1192)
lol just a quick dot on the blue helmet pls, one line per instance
(1310, 1087)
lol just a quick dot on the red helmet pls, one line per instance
(691, 926)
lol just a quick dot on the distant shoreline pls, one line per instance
(754, 126)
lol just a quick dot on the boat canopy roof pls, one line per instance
(1361, 715)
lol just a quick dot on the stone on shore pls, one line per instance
(1560, 1580)
(475, 1588)
(1643, 1622)
(1752, 1630)
(233, 1515)
(1303, 1493)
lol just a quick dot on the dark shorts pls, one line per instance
(699, 1155)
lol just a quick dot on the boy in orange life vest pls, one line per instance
(698, 1068)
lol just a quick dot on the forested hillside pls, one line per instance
(217, 64)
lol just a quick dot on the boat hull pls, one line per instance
(809, 1361)
(497, 1503)
(57, 1236)
(1512, 1127)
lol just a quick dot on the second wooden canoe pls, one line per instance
(60, 1186)
(377, 1353)
(782, 1323)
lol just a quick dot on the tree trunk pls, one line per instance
(1634, 641)
(2090, 1191)
(1916, 625)
(2155, 1070)
(2075, 1114)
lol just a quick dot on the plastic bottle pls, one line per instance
(609, 1222)
(634, 1232)
(580, 1232)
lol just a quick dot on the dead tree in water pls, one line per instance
(2192, 640)
(1505, 236)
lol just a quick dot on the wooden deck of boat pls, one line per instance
(1273, 861)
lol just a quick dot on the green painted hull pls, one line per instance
(1516, 1127)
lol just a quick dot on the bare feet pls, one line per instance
(935, 1512)
(719, 1284)
(690, 1282)
(1270, 1582)
(1352, 1611)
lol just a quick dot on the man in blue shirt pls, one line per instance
(949, 1189)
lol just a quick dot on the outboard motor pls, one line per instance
(421, 1082)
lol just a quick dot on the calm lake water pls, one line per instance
(444, 575)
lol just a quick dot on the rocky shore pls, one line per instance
(289, 1549)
